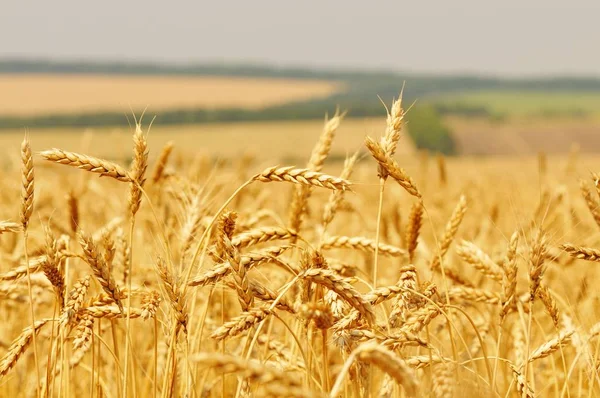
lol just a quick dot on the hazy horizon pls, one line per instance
(538, 38)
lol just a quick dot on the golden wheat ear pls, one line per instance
(138, 169)
(391, 168)
(99, 268)
(161, 162)
(302, 177)
(19, 346)
(89, 163)
(27, 183)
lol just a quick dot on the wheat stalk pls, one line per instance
(536, 263)
(451, 229)
(581, 253)
(509, 284)
(415, 222)
(360, 243)
(175, 293)
(138, 169)
(302, 176)
(344, 289)
(390, 363)
(161, 162)
(89, 163)
(8, 226)
(249, 260)
(275, 381)
(19, 346)
(315, 163)
(99, 268)
(241, 323)
(335, 198)
(391, 167)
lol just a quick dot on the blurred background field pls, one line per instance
(481, 79)
(260, 108)
(285, 141)
(59, 94)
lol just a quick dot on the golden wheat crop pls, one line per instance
(42, 94)
(270, 142)
(175, 277)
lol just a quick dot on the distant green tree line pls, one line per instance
(381, 82)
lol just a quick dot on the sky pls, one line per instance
(508, 38)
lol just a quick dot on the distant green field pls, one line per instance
(525, 104)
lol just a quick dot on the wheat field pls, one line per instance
(43, 94)
(386, 275)
(280, 141)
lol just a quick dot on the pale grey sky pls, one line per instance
(516, 37)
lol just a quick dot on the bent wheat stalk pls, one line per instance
(581, 253)
(19, 346)
(362, 244)
(89, 163)
(302, 176)
(344, 289)
(384, 359)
